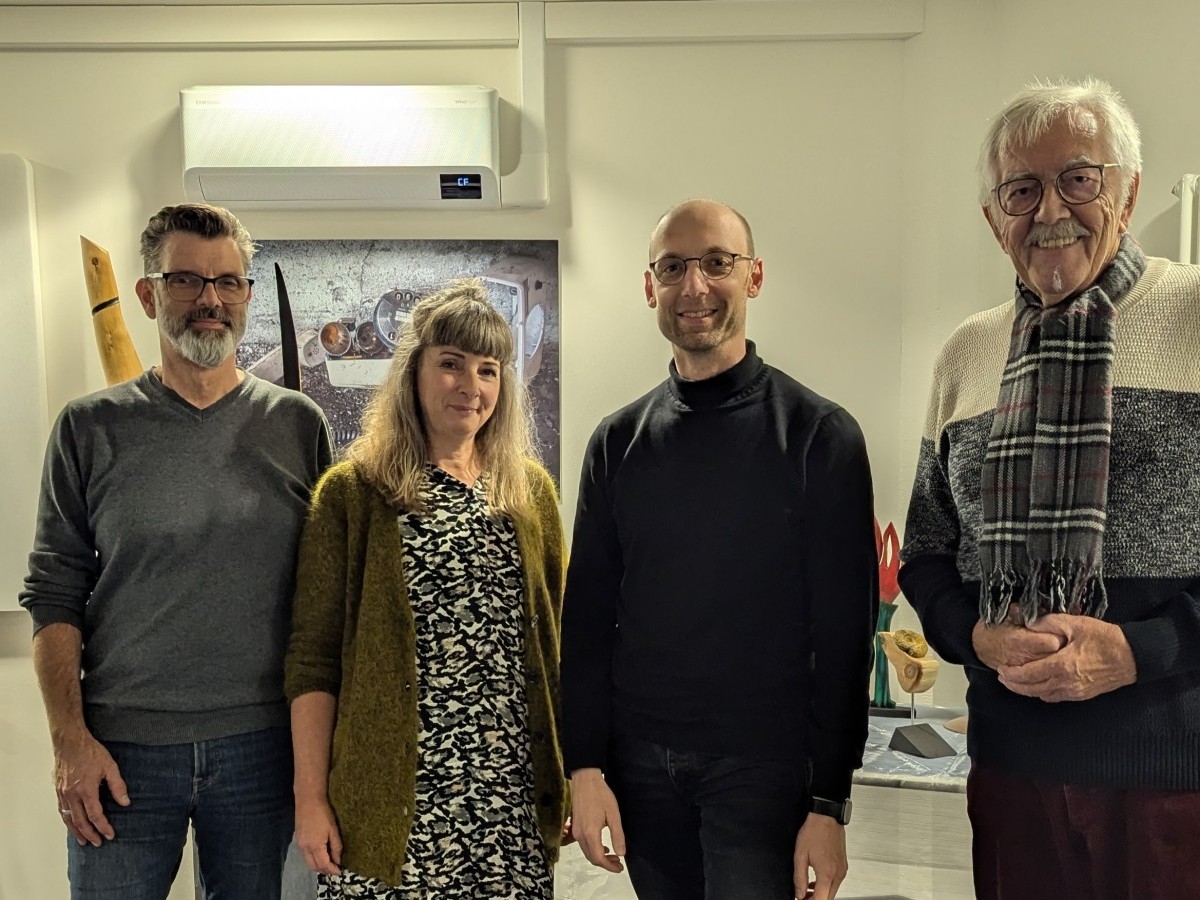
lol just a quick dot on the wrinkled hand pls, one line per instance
(1095, 659)
(318, 836)
(80, 764)
(592, 807)
(821, 846)
(1011, 643)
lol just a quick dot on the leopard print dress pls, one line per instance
(474, 832)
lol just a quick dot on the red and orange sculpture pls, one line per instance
(887, 549)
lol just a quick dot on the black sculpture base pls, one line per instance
(920, 740)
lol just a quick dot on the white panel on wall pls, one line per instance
(23, 417)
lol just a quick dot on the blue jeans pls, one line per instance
(704, 827)
(236, 792)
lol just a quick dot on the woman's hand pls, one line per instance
(318, 836)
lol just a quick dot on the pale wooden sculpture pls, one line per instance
(916, 674)
(117, 354)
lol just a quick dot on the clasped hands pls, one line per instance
(1058, 657)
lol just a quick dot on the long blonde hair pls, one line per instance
(393, 449)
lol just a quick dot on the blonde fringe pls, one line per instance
(391, 454)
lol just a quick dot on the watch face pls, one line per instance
(392, 312)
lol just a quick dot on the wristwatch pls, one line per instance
(835, 809)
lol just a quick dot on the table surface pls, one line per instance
(889, 768)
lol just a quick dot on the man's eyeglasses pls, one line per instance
(1076, 185)
(186, 287)
(713, 266)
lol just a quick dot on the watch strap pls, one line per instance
(835, 809)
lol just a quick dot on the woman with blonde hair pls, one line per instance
(423, 664)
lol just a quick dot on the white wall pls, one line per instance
(852, 159)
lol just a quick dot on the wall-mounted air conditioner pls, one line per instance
(342, 146)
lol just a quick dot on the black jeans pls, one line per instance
(700, 826)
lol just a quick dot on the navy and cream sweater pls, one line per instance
(722, 585)
(1146, 734)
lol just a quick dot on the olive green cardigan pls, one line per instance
(353, 637)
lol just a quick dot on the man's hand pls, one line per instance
(821, 846)
(1012, 644)
(318, 837)
(592, 807)
(80, 764)
(1095, 658)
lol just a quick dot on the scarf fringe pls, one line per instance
(1068, 586)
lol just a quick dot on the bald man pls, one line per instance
(720, 603)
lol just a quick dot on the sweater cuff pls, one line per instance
(831, 783)
(1155, 645)
(44, 614)
(831, 772)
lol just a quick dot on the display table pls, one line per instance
(888, 768)
(909, 837)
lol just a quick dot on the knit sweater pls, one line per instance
(353, 636)
(1146, 734)
(167, 535)
(722, 587)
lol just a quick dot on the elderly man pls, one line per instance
(1052, 545)
(720, 603)
(162, 570)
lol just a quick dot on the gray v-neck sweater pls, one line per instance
(167, 534)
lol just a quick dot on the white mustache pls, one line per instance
(1059, 230)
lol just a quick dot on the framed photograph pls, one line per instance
(351, 299)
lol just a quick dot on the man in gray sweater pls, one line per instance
(160, 588)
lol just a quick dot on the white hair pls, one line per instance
(1087, 105)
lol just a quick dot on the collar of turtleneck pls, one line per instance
(729, 386)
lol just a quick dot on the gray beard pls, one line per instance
(204, 349)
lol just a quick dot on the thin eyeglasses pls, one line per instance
(187, 287)
(1076, 185)
(714, 266)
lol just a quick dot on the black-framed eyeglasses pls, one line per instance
(714, 266)
(1076, 185)
(186, 287)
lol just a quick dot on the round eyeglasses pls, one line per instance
(186, 287)
(713, 266)
(1076, 185)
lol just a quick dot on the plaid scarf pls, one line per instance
(1045, 471)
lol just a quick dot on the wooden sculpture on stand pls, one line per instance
(117, 353)
(916, 671)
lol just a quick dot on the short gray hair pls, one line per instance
(1032, 112)
(199, 219)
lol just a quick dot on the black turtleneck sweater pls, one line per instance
(722, 586)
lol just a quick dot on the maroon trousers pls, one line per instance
(1039, 840)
